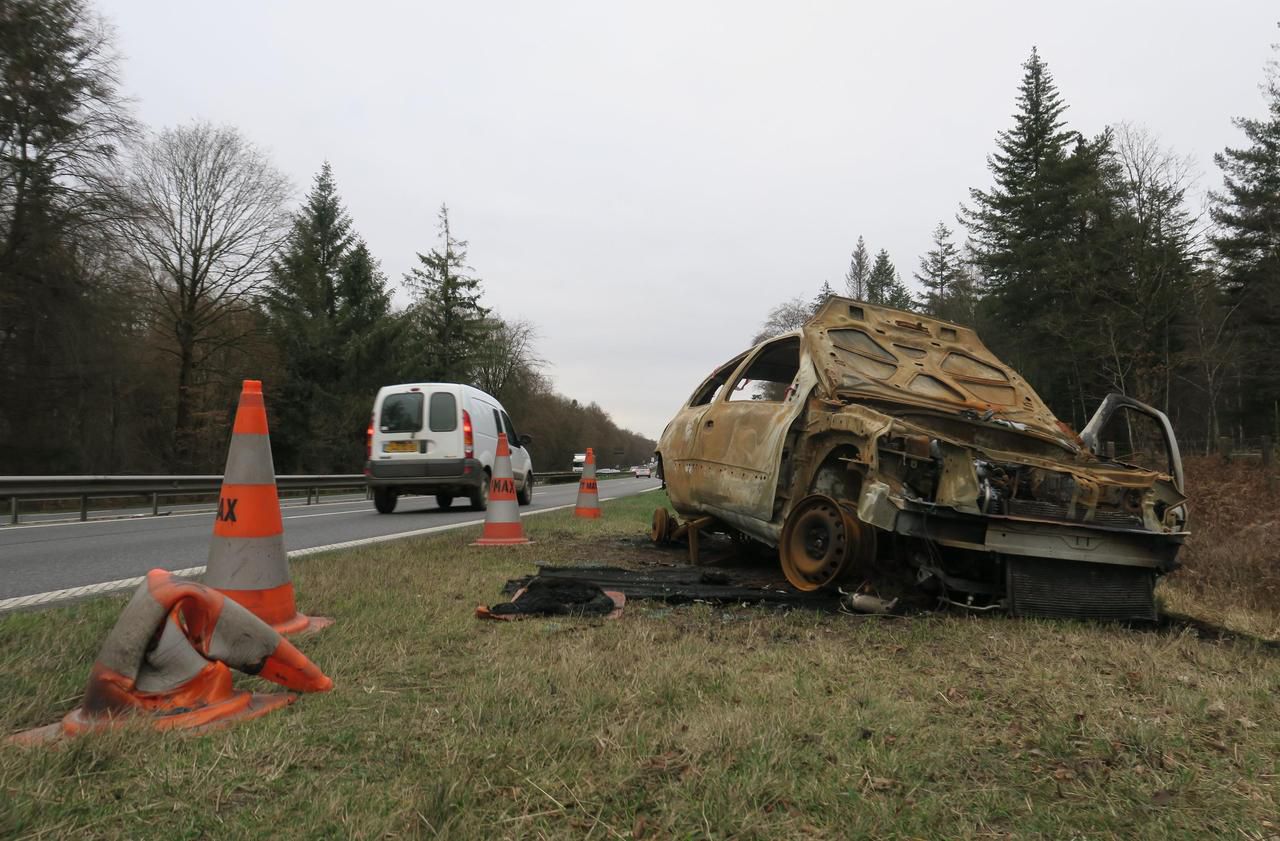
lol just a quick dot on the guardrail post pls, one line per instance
(311, 491)
(84, 508)
(1224, 447)
(13, 510)
(155, 505)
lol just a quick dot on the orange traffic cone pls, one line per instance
(502, 517)
(588, 494)
(166, 661)
(246, 558)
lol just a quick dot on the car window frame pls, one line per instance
(736, 362)
(726, 393)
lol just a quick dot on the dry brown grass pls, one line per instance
(1231, 562)
(669, 723)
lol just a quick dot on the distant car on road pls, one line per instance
(643, 470)
(608, 470)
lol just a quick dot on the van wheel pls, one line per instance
(444, 501)
(384, 499)
(524, 496)
(480, 496)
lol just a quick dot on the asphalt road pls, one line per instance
(44, 556)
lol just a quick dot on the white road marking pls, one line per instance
(71, 593)
(55, 596)
(102, 588)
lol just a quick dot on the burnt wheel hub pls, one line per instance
(820, 543)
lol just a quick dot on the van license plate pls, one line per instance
(400, 447)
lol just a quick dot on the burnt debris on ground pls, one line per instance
(683, 584)
(549, 596)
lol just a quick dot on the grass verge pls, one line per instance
(667, 723)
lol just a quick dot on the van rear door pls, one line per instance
(399, 422)
(444, 424)
(415, 423)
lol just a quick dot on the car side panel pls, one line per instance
(739, 448)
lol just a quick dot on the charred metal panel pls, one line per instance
(881, 354)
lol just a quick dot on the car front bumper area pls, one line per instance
(1020, 536)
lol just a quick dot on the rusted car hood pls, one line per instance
(903, 361)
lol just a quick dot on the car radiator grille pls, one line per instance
(1061, 511)
(1077, 590)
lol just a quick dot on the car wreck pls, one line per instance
(883, 450)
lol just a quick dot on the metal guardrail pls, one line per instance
(84, 488)
(573, 476)
(556, 478)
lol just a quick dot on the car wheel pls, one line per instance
(444, 501)
(480, 496)
(525, 495)
(384, 499)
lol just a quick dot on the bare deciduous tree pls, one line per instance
(508, 357)
(208, 216)
(787, 316)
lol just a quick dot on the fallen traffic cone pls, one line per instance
(588, 494)
(166, 663)
(247, 561)
(502, 517)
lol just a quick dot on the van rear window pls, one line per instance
(443, 414)
(401, 413)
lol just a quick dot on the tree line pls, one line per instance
(144, 274)
(1085, 267)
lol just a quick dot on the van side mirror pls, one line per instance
(526, 440)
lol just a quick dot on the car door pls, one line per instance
(1144, 435)
(742, 433)
(678, 445)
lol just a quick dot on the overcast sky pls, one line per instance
(645, 183)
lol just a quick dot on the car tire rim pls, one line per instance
(821, 543)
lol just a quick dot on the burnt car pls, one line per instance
(878, 448)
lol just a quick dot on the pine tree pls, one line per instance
(824, 292)
(1041, 237)
(1247, 213)
(329, 312)
(449, 324)
(62, 124)
(940, 274)
(1018, 224)
(885, 286)
(856, 279)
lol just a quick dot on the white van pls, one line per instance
(440, 438)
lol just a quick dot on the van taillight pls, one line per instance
(368, 440)
(468, 440)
